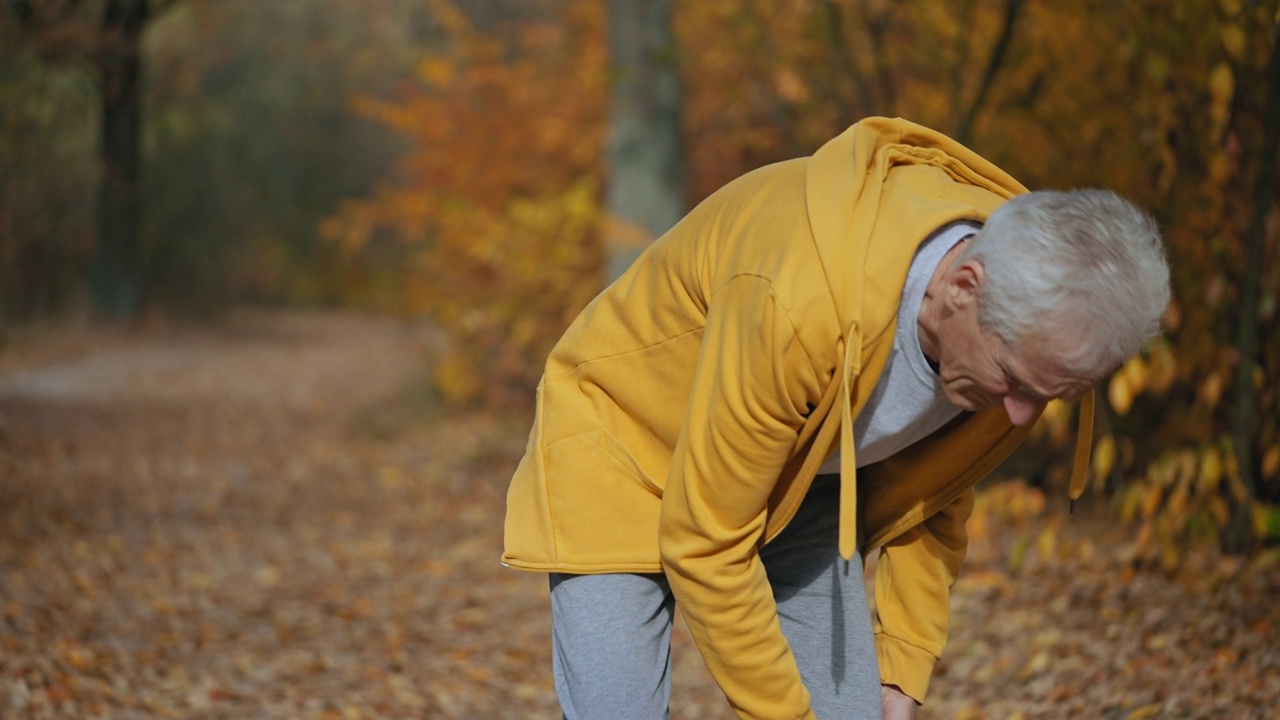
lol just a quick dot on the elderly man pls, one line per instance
(821, 359)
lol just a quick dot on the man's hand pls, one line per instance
(896, 704)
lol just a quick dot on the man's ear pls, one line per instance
(964, 283)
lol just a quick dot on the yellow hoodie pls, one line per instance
(683, 415)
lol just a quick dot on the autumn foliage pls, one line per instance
(498, 200)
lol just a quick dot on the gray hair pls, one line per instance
(1081, 273)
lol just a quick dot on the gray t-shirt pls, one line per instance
(907, 403)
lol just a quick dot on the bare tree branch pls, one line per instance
(877, 30)
(842, 54)
(965, 128)
(963, 51)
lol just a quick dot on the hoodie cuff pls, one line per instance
(904, 665)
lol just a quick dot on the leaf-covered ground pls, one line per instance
(267, 520)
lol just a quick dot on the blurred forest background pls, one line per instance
(450, 160)
(483, 166)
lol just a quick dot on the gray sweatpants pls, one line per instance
(611, 634)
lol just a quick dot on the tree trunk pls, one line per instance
(118, 255)
(644, 197)
(1244, 423)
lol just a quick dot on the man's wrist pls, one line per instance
(894, 688)
(897, 705)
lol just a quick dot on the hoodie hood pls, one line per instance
(873, 194)
(850, 178)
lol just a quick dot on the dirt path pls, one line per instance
(213, 523)
(264, 520)
(289, 361)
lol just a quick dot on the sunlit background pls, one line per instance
(277, 279)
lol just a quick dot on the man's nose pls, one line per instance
(1021, 410)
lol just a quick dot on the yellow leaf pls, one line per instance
(1266, 559)
(1186, 461)
(1271, 462)
(1037, 665)
(1175, 509)
(1170, 558)
(1056, 411)
(436, 71)
(79, 658)
(1167, 469)
(1211, 389)
(1222, 82)
(1219, 511)
(1233, 41)
(1017, 554)
(457, 379)
(1047, 543)
(1158, 68)
(1131, 503)
(1151, 501)
(1210, 475)
(1266, 520)
(1119, 394)
(447, 14)
(1219, 167)
(1104, 458)
(1135, 371)
(1144, 712)
(1163, 367)
(790, 87)
(390, 476)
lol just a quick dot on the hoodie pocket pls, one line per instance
(602, 509)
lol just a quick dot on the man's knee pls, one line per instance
(611, 637)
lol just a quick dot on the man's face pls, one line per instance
(978, 370)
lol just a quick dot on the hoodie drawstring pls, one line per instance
(1084, 446)
(852, 366)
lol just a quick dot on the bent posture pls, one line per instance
(820, 360)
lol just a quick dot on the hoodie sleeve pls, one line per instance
(913, 596)
(745, 412)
